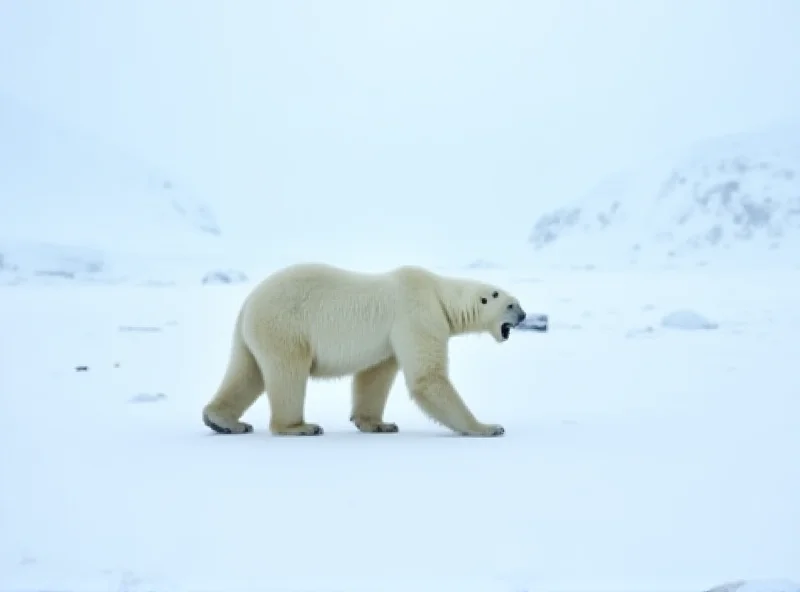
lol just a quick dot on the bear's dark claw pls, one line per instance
(213, 426)
(246, 429)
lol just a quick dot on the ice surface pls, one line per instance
(659, 461)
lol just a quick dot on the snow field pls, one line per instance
(637, 457)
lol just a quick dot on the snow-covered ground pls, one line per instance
(638, 456)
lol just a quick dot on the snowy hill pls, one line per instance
(73, 207)
(732, 200)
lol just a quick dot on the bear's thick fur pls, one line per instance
(311, 321)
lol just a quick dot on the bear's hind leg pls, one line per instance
(285, 380)
(240, 387)
(370, 391)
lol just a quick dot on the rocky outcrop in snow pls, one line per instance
(224, 276)
(734, 198)
(757, 586)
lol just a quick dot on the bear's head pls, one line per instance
(500, 312)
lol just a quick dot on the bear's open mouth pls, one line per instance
(505, 330)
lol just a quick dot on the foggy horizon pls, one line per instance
(404, 120)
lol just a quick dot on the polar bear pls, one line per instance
(316, 321)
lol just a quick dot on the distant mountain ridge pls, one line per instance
(65, 197)
(734, 198)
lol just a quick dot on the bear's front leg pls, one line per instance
(437, 397)
(370, 391)
(421, 351)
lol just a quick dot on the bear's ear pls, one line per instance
(483, 300)
(495, 294)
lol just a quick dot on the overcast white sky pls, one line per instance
(401, 119)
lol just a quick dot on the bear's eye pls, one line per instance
(510, 306)
(484, 301)
(495, 294)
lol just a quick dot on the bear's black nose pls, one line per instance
(521, 317)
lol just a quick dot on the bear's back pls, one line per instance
(344, 317)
